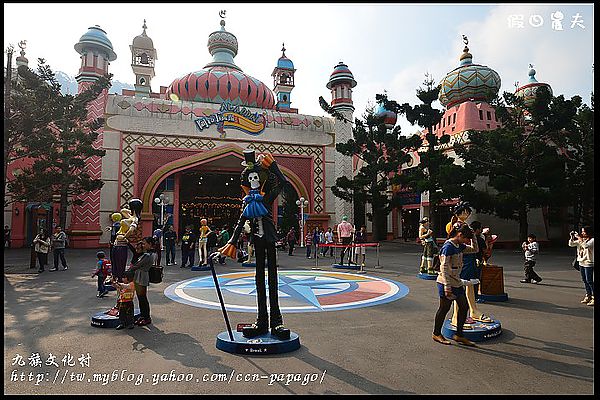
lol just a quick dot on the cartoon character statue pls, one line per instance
(489, 241)
(429, 247)
(204, 231)
(250, 247)
(461, 212)
(262, 181)
(129, 232)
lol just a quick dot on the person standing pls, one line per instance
(450, 286)
(188, 246)
(308, 238)
(169, 240)
(328, 237)
(141, 279)
(59, 241)
(361, 237)
(531, 249)
(211, 241)
(6, 236)
(157, 235)
(291, 239)
(42, 247)
(316, 241)
(585, 257)
(344, 231)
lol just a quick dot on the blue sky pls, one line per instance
(387, 46)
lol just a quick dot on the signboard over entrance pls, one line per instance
(233, 116)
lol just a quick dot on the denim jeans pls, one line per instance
(170, 252)
(61, 253)
(101, 288)
(587, 276)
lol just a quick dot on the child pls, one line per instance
(308, 243)
(531, 249)
(102, 272)
(489, 244)
(126, 292)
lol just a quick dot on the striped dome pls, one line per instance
(341, 73)
(217, 84)
(95, 38)
(389, 117)
(468, 82)
(529, 91)
(221, 79)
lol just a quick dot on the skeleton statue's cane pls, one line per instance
(214, 274)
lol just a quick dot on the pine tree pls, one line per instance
(383, 152)
(521, 161)
(56, 136)
(436, 172)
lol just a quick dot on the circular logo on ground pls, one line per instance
(299, 291)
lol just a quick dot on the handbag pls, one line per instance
(155, 274)
(575, 264)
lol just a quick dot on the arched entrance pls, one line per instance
(205, 185)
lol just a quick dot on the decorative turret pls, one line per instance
(529, 91)
(22, 60)
(283, 81)
(143, 55)
(96, 53)
(469, 82)
(389, 117)
(221, 80)
(341, 82)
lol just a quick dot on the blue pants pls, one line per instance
(170, 251)
(587, 276)
(59, 253)
(101, 288)
(308, 248)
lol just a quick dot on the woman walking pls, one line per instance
(42, 247)
(141, 268)
(585, 257)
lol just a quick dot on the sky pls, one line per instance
(388, 47)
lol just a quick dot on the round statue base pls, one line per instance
(260, 345)
(476, 332)
(426, 276)
(493, 297)
(110, 288)
(200, 268)
(249, 264)
(103, 320)
(345, 266)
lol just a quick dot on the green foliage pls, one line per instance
(382, 152)
(521, 161)
(54, 132)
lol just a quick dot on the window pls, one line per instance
(481, 115)
(454, 118)
(444, 123)
(489, 115)
(488, 126)
(448, 120)
(495, 117)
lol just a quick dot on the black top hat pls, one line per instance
(249, 158)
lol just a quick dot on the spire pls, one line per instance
(283, 50)
(144, 27)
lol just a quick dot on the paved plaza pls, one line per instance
(546, 346)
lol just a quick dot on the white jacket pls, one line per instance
(585, 251)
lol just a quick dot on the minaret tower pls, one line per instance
(341, 83)
(283, 82)
(96, 53)
(143, 55)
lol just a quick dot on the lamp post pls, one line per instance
(302, 202)
(162, 201)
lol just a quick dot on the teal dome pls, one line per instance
(285, 62)
(528, 92)
(95, 38)
(468, 82)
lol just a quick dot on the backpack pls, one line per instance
(106, 268)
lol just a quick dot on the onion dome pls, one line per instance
(389, 117)
(143, 41)
(529, 90)
(221, 79)
(95, 38)
(22, 60)
(341, 73)
(468, 82)
(283, 61)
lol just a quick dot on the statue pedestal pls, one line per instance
(249, 264)
(346, 266)
(103, 320)
(260, 345)
(491, 287)
(200, 268)
(427, 276)
(475, 332)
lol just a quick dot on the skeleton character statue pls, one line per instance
(262, 181)
(469, 272)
